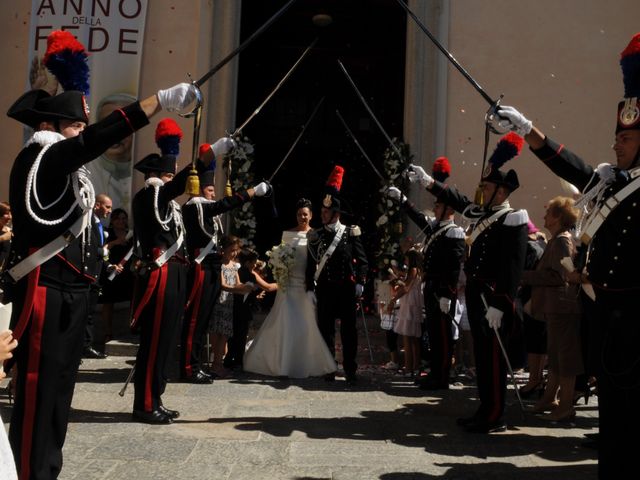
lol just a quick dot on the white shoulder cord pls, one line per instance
(607, 175)
(176, 214)
(156, 183)
(217, 224)
(82, 189)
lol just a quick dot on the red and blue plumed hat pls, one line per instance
(332, 189)
(629, 109)
(508, 147)
(441, 169)
(66, 59)
(168, 137)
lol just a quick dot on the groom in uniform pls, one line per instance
(336, 272)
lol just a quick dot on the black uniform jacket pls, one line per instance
(196, 237)
(442, 256)
(347, 264)
(614, 253)
(496, 258)
(72, 267)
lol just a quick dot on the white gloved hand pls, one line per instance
(395, 194)
(312, 296)
(261, 189)
(222, 146)
(512, 119)
(359, 289)
(417, 174)
(445, 304)
(494, 317)
(177, 97)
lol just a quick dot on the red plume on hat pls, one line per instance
(66, 59)
(441, 169)
(334, 183)
(629, 109)
(630, 63)
(168, 136)
(508, 147)
(332, 188)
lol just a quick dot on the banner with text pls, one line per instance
(112, 31)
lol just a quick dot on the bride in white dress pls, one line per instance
(289, 342)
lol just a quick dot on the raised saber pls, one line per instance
(304, 128)
(506, 357)
(366, 105)
(273, 92)
(450, 57)
(243, 45)
(355, 140)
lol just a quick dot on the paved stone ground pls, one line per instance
(254, 427)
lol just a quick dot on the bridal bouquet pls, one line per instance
(281, 258)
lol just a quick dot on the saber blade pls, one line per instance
(304, 127)
(450, 57)
(273, 92)
(244, 45)
(366, 105)
(355, 140)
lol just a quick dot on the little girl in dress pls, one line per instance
(409, 323)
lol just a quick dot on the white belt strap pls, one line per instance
(486, 223)
(162, 259)
(206, 250)
(599, 215)
(436, 234)
(339, 232)
(50, 250)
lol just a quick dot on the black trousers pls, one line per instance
(204, 290)
(618, 375)
(50, 327)
(158, 320)
(339, 301)
(491, 368)
(440, 333)
(90, 334)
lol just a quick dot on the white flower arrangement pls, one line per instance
(390, 222)
(281, 259)
(243, 220)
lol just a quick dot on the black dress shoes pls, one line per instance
(172, 414)
(155, 417)
(90, 352)
(198, 377)
(330, 377)
(483, 426)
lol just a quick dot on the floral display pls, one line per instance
(390, 222)
(243, 220)
(281, 258)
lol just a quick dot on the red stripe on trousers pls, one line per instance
(197, 293)
(155, 336)
(25, 315)
(151, 285)
(31, 389)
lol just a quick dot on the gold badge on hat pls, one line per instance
(326, 202)
(630, 112)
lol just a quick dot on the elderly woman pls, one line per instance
(555, 301)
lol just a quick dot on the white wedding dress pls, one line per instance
(289, 342)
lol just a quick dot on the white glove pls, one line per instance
(445, 304)
(494, 317)
(312, 296)
(359, 289)
(261, 189)
(177, 97)
(512, 119)
(417, 174)
(223, 146)
(395, 194)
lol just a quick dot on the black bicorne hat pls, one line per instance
(38, 106)
(157, 163)
(506, 179)
(629, 109)
(208, 179)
